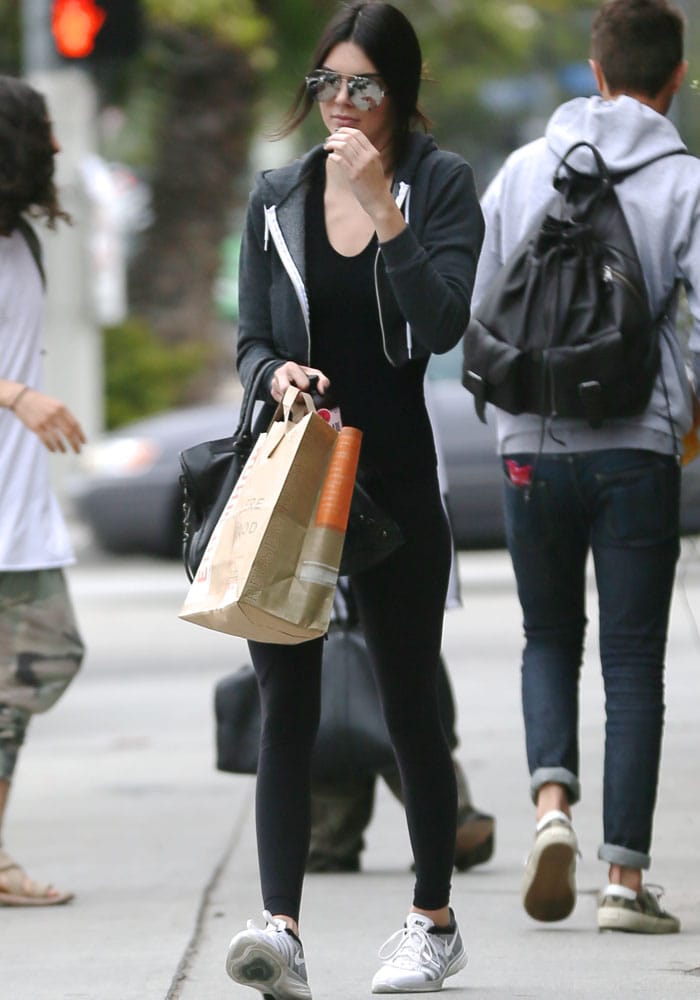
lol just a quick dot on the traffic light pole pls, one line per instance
(38, 52)
(73, 362)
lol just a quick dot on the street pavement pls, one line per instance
(117, 798)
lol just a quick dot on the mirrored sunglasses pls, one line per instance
(365, 91)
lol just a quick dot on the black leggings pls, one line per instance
(401, 604)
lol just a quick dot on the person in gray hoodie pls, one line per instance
(613, 491)
(357, 263)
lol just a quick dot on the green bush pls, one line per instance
(144, 375)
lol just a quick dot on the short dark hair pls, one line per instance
(638, 44)
(388, 39)
(26, 156)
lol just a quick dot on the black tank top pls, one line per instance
(385, 402)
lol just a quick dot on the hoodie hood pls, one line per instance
(418, 146)
(628, 133)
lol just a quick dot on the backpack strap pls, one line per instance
(624, 174)
(34, 245)
(565, 173)
(606, 175)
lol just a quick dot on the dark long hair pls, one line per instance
(26, 156)
(387, 38)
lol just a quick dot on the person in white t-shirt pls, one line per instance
(40, 646)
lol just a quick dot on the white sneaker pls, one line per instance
(270, 960)
(549, 886)
(417, 959)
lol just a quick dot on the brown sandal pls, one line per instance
(17, 889)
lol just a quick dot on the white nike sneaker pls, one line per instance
(270, 960)
(417, 959)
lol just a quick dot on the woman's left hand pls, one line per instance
(290, 373)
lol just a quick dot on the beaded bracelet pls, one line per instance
(15, 401)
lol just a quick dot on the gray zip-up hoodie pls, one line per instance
(662, 205)
(423, 277)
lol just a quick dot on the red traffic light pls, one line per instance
(75, 25)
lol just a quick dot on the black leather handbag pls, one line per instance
(210, 470)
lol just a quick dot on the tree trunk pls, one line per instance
(203, 148)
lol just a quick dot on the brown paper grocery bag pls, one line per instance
(271, 567)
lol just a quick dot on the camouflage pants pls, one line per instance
(40, 652)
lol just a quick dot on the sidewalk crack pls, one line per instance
(179, 979)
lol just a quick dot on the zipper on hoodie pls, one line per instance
(403, 197)
(272, 228)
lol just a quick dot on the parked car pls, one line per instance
(128, 493)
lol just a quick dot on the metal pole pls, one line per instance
(38, 52)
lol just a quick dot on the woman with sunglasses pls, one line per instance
(357, 263)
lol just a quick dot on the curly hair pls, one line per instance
(26, 157)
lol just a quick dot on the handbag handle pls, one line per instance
(250, 395)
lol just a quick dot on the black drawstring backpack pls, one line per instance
(566, 329)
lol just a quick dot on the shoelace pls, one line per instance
(270, 921)
(409, 948)
(283, 942)
(656, 892)
(653, 892)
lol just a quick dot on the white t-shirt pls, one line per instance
(33, 534)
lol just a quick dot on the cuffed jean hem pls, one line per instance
(615, 855)
(557, 776)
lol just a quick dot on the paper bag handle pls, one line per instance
(296, 398)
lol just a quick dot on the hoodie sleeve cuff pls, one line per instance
(399, 251)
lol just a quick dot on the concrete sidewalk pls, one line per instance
(117, 795)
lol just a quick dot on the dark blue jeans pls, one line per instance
(623, 506)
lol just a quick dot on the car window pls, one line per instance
(444, 366)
